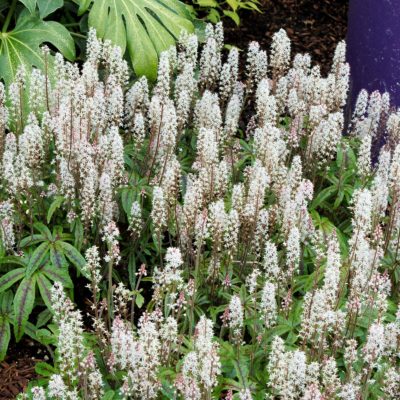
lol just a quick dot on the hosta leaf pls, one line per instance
(10, 278)
(23, 305)
(144, 27)
(5, 335)
(37, 258)
(44, 286)
(21, 45)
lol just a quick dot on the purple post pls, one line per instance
(373, 41)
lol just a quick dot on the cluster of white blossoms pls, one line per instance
(217, 176)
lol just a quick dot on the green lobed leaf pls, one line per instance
(46, 7)
(144, 27)
(21, 45)
(29, 4)
(23, 305)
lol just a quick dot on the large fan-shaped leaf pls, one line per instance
(21, 45)
(145, 27)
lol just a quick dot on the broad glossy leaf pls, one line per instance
(23, 305)
(21, 45)
(46, 7)
(144, 27)
(29, 4)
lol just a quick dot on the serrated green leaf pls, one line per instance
(7, 280)
(46, 7)
(23, 305)
(54, 206)
(21, 45)
(37, 258)
(5, 335)
(144, 27)
(44, 286)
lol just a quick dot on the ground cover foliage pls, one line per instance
(212, 236)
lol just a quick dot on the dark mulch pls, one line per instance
(314, 26)
(19, 368)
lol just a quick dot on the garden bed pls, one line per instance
(314, 27)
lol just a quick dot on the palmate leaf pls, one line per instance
(21, 45)
(144, 27)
